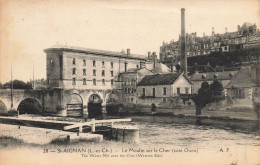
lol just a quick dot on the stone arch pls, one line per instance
(95, 98)
(112, 97)
(74, 105)
(3, 107)
(29, 106)
(95, 105)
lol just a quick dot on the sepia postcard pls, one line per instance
(100, 82)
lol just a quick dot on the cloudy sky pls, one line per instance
(29, 26)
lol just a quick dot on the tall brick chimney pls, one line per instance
(183, 43)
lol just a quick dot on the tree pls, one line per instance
(18, 84)
(208, 94)
(202, 98)
(216, 91)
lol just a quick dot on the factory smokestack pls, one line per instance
(183, 43)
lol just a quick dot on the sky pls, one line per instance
(27, 27)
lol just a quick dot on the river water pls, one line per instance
(172, 143)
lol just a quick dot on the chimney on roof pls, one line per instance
(213, 31)
(226, 30)
(183, 43)
(128, 52)
(154, 59)
(203, 34)
(149, 55)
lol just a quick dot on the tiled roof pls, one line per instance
(95, 51)
(160, 79)
(241, 80)
(227, 75)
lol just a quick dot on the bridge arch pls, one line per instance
(74, 105)
(30, 106)
(95, 105)
(3, 107)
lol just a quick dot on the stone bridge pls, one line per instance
(53, 101)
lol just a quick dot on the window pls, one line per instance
(143, 91)
(84, 62)
(112, 73)
(225, 47)
(73, 61)
(112, 82)
(48, 81)
(178, 90)
(125, 90)
(84, 81)
(94, 72)
(74, 81)
(84, 72)
(153, 92)
(137, 66)
(241, 93)
(132, 91)
(112, 64)
(132, 99)
(103, 73)
(103, 64)
(94, 82)
(133, 82)
(94, 63)
(129, 90)
(164, 99)
(164, 90)
(103, 81)
(74, 71)
(186, 90)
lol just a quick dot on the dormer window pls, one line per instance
(203, 76)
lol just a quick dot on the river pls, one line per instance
(174, 143)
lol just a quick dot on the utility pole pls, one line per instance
(33, 79)
(12, 86)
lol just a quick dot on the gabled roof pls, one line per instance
(241, 80)
(226, 75)
(95, 51)
(134, 70)
(160, 79)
